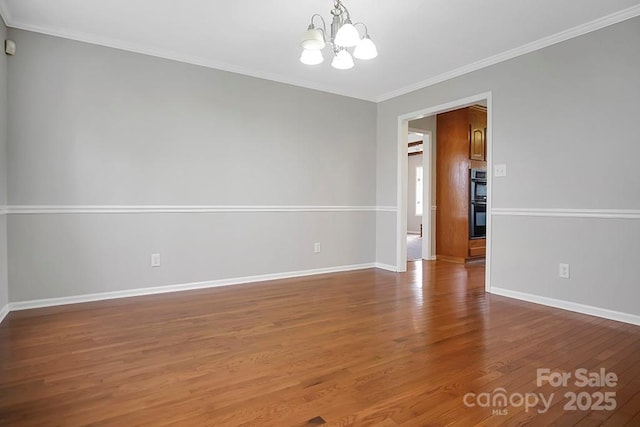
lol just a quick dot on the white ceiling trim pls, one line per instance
(588, 27)
(171, 55)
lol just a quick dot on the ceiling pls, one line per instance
(420, 42)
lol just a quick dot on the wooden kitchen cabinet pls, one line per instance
(460, 145)
(477, 247)
(477, 133)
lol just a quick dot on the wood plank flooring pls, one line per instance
(359, 348)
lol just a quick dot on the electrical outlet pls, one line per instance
(155, 260)
(316, 247)
(563, 271)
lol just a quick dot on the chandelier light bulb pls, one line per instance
(311, 57)
(342, 60)
(347, 35)
(366, 49)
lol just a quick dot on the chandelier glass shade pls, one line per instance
(347, 35)
(342, 35)
(342, 60)
(313, 39)
(311, 57)
(365, 49)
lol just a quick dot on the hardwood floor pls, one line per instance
(358, 348)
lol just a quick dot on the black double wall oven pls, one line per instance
(478, 204)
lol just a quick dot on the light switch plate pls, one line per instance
(9, 47)
(500, 170)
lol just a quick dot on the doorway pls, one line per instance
(429, 181)
(418, 152)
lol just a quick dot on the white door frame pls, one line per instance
(427, 204)
(401, 218)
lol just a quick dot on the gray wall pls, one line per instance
(97, 126)
(4, 292)
(565, 123)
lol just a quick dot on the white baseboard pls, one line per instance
(3, 312)
(50, 302)
(386, 267)
(567, 305)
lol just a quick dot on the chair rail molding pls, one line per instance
(569, 213)
(114, 209)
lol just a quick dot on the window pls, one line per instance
(418, 190)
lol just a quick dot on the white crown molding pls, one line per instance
(569, 213)
(116, 209)
(567, 305)
(50, 302)
(179, 57)
(579, 30)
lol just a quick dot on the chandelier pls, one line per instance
(343, 36)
